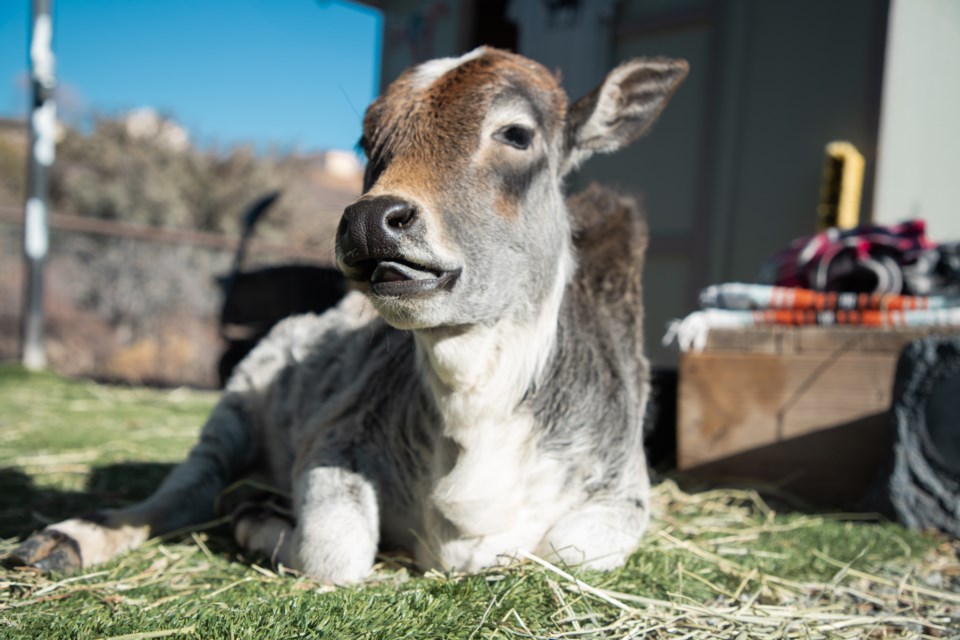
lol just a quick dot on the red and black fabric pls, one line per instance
(868, 259)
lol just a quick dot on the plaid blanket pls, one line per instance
(867, 259)
(739, 296)
(870, 276)
(736, 305)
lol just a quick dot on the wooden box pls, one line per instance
(803, 409)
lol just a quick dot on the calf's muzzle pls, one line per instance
(376, 240)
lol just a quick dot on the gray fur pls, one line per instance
(500, 414)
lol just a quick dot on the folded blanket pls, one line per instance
(736, 305)
(736, 295)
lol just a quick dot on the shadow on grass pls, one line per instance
(25, 506)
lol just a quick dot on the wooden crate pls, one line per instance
(800, 409)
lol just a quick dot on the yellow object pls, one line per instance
(841, 188)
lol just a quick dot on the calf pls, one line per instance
(483, 390)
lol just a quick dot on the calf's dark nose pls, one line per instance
(374, 227)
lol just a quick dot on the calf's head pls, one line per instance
(462, 220)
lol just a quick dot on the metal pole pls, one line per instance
(36, 235)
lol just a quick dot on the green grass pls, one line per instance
(717, 564)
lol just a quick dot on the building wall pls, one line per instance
(920, 131)
(419, 30)
(732, 171)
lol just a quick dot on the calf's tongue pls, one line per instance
(395, 271)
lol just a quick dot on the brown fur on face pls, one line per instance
(421, 138)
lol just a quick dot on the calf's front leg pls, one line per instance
(338, 525)
(185, 499)
(599, 534)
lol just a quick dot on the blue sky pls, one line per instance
(288, 73)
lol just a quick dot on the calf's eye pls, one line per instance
(515, 135)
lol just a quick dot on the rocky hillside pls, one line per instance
(143, 307)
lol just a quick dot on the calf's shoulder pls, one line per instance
(592, 399)
(610, 239)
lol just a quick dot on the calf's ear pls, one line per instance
(621, 109)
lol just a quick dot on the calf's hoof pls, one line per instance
(48, 551)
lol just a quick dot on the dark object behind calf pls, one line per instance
(924, 482)
(256, 300)
(660, 425)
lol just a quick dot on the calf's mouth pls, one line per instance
(381, 246)
(395, 277)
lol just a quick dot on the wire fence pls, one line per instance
(116, 229)
(126, 302)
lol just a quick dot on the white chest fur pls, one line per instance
(493, 485)
(501, 493)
